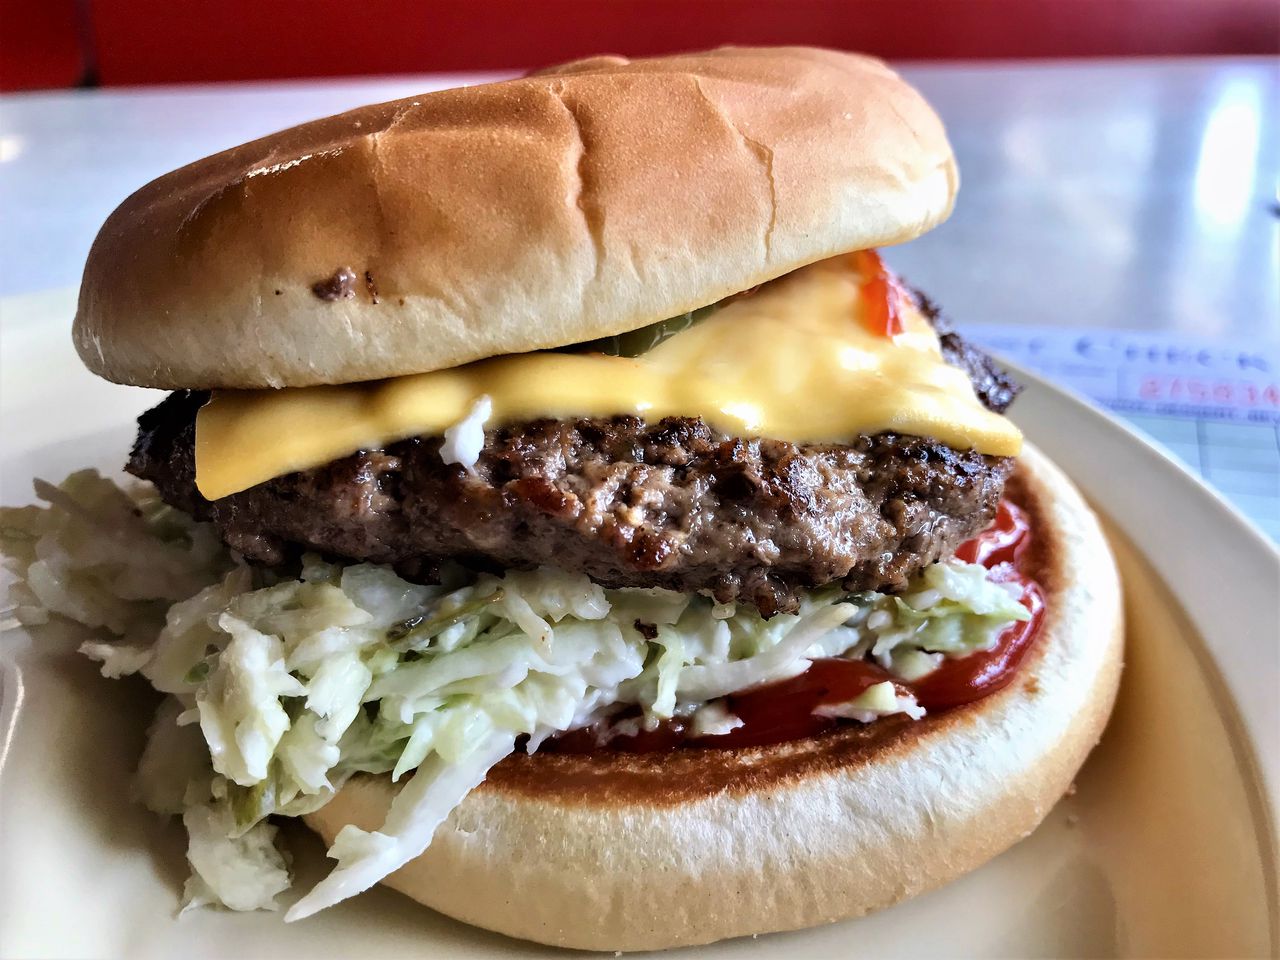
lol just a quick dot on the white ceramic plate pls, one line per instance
(1167, 847)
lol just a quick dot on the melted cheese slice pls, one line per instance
(793, 362)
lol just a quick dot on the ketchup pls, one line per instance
(770, 713)
(667, 735)
(1001, 544)
(971, 678)
(784, 711)
(882, 295)
(777, 712)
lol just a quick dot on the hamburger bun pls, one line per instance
(581, 202)
(634, 852)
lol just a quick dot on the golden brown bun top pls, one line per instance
(583, 201)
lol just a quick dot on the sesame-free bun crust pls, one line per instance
(580, 202)
(619, 852)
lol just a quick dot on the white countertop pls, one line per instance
(1124, 194)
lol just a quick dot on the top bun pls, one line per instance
(576, 203)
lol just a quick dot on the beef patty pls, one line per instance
(673, 504)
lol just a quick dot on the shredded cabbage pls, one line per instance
(279, 689)
(878, 700)
(713, 719)
(244, 873)
(104, 557)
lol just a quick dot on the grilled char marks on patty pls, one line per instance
(995, 388)
(674, 504)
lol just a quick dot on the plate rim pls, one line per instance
(1256, 714)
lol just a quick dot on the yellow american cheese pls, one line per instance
(793, 362)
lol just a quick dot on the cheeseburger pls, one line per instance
(562, 509)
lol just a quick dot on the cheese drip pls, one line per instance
(794, 361)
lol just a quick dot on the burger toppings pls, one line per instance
(885, 300)
(751, 369)
(463, 441)
(713, 719)
(634, 343)
(672, 504)
(282, 686)
(915, 676)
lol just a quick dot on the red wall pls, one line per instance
(40, 44)
(171, 41)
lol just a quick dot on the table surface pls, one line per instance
(1131, 194)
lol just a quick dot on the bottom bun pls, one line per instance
(637, 852)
